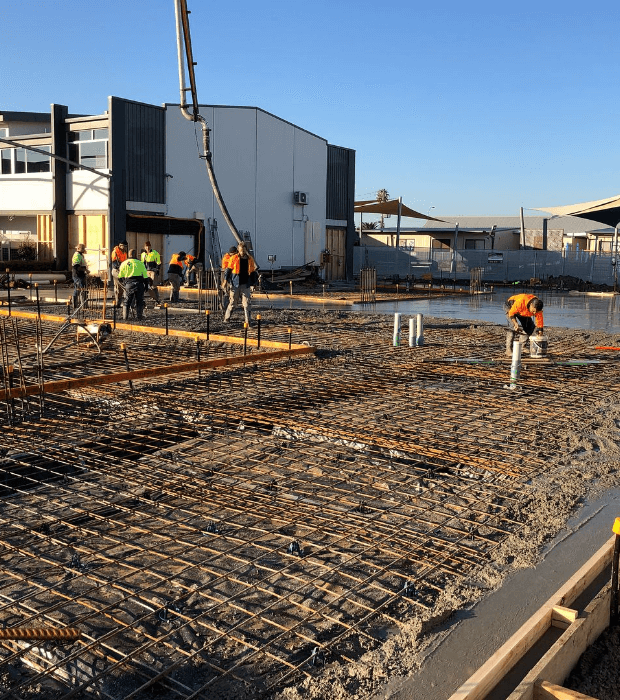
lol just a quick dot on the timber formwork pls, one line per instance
(224, 531)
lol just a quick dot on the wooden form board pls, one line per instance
(553, 612)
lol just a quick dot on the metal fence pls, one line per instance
(495, 265)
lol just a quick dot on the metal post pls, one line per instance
(258, 318)
(411, 333)
(208, 315)
(614, 258)
(124, 349)
(396, 336)
(36, 289)
(245, 338)
(198, 354)
(419, 339)
(55, 291)
(8, 288)
(166, 312)
(515, 367)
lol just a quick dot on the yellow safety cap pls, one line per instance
(616, 527)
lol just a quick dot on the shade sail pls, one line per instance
(604, 211)
(391, 207)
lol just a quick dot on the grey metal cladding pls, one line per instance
(339, 200)
(145, 153)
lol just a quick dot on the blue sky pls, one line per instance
(473, 108)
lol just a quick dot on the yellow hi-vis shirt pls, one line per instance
(132, 268)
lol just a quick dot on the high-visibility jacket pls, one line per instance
(189, 261)
(78, 264)
(226, 260)
(519, 308)
(118, 257)
(151, 260)
(175, 266)
(234, 266)
(132, 268)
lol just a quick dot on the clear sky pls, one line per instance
(474, 108)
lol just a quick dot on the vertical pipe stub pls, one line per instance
(411, 333)
(419, 339)
(396, 338)
(515, 367)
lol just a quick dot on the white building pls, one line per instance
(287, 190)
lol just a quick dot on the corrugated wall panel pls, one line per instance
(339, 162)
(145, 153)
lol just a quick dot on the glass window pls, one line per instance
(74, 154)
(100, 134)
(37, 162)
(81, 135)
(5, 253)
(4, 133)
(94, 154)
(5, 156)
(20, 160)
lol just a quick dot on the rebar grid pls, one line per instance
(246, 526)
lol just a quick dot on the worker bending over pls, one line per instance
(134, 275)
(152, 261)
(175, 274)
(241, 275)
(523, 309)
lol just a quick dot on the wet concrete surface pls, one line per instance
(471, 636)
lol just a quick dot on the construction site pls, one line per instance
(283, 511)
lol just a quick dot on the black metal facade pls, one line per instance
(137, 158)
(340, 200)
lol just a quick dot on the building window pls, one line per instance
(89, 147)
(5, 158)
(441, 243)
(474, 244)
(37, 162)
(4, 133)
(17, 161)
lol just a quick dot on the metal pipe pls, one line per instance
(419, 340)
(515, 367)
(396, 336)
(411, 333)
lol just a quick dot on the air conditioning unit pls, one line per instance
(301, 197)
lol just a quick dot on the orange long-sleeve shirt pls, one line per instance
(519, 308)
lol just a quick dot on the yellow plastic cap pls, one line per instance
(616, 527)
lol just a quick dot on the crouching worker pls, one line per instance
(135, 278)
(523, 309)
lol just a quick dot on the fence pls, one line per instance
(494, 265)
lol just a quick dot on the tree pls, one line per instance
(369, 225)
(383, 196)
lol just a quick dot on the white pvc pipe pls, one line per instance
(515, 367)
(396, 340)
(419, 340)
(411, 333)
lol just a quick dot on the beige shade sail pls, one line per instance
(390, 207)
(604, 211)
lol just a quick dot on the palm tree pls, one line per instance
(383, 196)
(369, 225)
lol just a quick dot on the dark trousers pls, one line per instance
(79, 290)
(134, 293)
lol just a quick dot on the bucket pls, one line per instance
(538, 346)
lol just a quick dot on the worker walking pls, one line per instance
(78, 272)
(241, 275)
(119, 255)
(151, 259)
(175, 274)
(523, 309)
(135, 277)
(224, 285)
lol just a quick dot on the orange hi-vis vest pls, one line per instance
(118, 256)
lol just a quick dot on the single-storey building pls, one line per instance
(495, 233)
